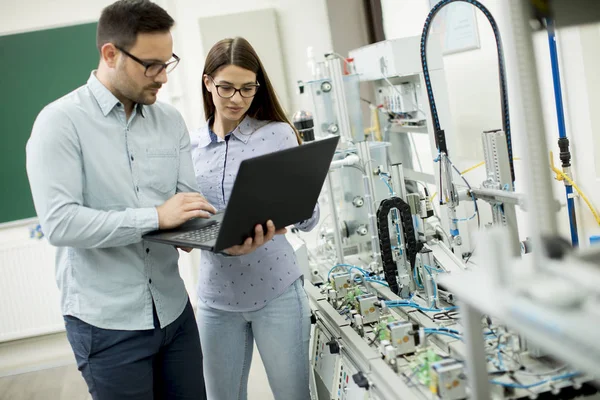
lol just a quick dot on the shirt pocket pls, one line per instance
(162, 169)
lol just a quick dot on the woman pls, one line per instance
(257, 294)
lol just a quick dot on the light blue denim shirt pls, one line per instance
(96, 179)
(249, 282)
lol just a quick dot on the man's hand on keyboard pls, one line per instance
(260, 238)
(181, 208)
(186, 249)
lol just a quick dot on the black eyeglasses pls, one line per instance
(153, 68)
(228, 91)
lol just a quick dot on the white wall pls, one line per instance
(301, 24)
(467, 73)
(472, 80)
(265, 41)
(28, 15)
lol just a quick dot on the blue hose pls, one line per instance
(562, 132)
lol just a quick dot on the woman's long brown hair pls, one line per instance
(237, 51)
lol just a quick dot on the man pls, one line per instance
(107, 164)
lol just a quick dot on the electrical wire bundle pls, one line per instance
(367, 276)
(410, 303)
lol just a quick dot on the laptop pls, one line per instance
(283, 186)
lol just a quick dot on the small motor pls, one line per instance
(448, 380)
(303, 121)
(366, 307)
(403, 336)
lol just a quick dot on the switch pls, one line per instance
(334, 347)
(361, 380)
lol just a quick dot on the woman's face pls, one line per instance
(223, 83)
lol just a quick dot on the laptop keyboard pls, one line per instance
(201, 235)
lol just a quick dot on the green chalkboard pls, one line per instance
(36, 68)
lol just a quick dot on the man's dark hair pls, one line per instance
(122, 21)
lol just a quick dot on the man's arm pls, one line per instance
(55, 172)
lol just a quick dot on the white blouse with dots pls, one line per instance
(249, 282)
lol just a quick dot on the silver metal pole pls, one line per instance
(476, 358)
(341, 107)
(542, 218)
(398, 180)
(337, 236)
(364, 153)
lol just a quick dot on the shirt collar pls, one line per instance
(106, 100)
(242, 132)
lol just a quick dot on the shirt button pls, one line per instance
(137, 188)
(147, 250)
(150, 281)
(131, 158)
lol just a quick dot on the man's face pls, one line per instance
(130, 78)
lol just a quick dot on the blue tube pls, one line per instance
(560, 113)
(562, 132)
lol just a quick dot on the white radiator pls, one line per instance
(29, 297)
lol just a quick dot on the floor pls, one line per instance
(50, 373)
(54, 383)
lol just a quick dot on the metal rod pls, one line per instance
(398, 180)
(428, 283)
(337, 236)
(364, 153)
(476, 359)
(372, 222)
(448, 297)
(341, 107)
(542, 218)
(348, 161)
(501, 196)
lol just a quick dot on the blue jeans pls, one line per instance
(140, 365)
(282, 333)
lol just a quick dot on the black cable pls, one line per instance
(472, 196)
(389, 266)
(446, 316)
(470, 255)
(501, 70)
(372, 341)
(424, 188)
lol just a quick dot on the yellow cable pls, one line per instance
(560, 176)
(432, 197)
(480, 165)
(377, 125)
(473, 167)
(376, 128)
